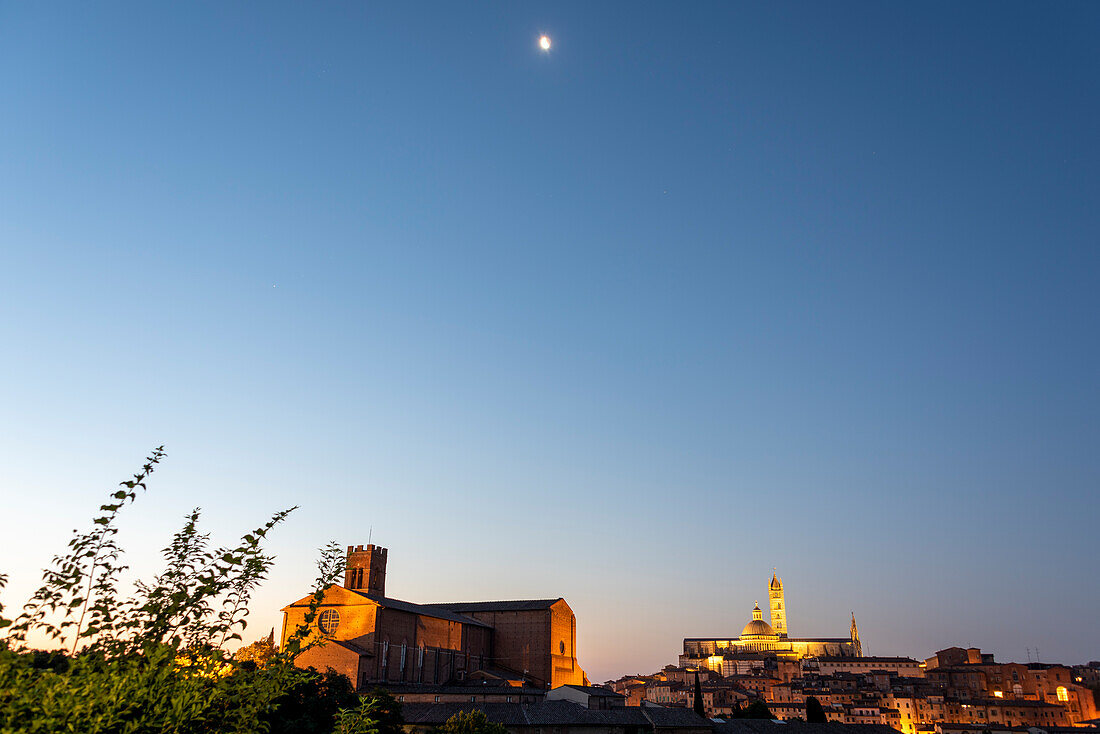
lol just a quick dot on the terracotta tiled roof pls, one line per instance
(509, 714)
(558, 713)
(594, 691)
(427, 610)
(766, 726)
(519, 605)
(353, 647)
(463, 689)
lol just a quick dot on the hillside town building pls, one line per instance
(956, 691)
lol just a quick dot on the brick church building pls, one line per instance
(373, 639)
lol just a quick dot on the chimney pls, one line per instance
(366, 569)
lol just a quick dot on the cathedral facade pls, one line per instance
(759, 638)
(376, 639)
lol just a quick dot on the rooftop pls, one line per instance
(356, 648)
(518, 605)
(766, 726)
(465, 689)
(558, 713)
(438, 611)
(595, 691)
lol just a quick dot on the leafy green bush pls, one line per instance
(155, 661)
(471, 722)
(386, 710)
(261, 652)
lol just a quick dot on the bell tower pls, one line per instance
(365, 569)
(778, 606)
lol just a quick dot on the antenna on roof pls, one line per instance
(1037, 655)
(1028, 653)
(370, 532)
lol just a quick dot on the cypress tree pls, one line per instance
(699, 696)
(815, 714)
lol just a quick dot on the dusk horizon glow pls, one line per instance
(630, 318)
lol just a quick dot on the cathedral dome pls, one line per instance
(757, 628)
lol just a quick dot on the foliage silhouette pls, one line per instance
(815, 713)
(470, 722)
(757, 710)
(155, 660)
(387, 711)
(311, 704)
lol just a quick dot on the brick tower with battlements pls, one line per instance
(366, 569)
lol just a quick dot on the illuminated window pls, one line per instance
(1063, 694)
(329, 621)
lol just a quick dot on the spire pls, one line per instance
(777, 583)
(855, 638)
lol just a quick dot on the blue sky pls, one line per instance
(705, 290)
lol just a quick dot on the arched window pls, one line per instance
(1063, 694)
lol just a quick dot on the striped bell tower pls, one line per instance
(778, 607)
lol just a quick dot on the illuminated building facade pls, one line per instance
(768, 639)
